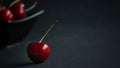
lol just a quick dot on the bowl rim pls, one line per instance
(28, 18)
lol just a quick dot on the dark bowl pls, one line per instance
(16, 31)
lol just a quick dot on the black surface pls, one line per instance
(88, 36)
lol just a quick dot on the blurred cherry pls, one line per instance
(5, 15)
(18, 10)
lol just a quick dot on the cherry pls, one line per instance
(38, 52)
(5, 15)
(18, 10)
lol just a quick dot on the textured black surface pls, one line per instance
(88, 36)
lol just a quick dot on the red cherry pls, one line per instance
(38, 52)
(5, 15)
(18, 10)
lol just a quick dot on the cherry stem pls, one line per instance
(14, 2)
(31, 7)
(56, 21)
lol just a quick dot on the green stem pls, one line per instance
(31, 7)
(48, 31)
(14, 2)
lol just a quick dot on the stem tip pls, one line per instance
(56, 21)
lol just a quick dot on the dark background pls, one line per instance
(88, 35)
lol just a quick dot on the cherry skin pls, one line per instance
(5, 15)
(38, 52)
(18, 10)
